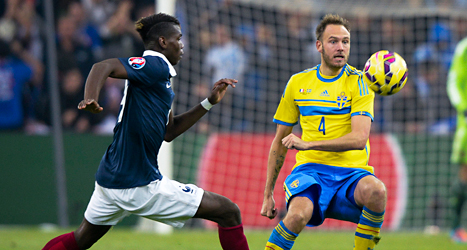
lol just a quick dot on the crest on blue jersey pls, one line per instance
(294, 184)
(341, 100)
(137, 62)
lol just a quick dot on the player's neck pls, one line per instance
(325, 70)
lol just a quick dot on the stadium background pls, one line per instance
(264, 43)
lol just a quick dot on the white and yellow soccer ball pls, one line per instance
(385, 72)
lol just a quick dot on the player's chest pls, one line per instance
(335, 95)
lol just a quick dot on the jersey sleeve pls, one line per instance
(362, 99)
(287, 112)
(457, 78)
(146, 70)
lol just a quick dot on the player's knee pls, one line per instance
(297, 220)
(231, 213)
(229, 217)
(373, 189)
(376, 196)
(379, 192)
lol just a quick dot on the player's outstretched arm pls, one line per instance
(96, 79)
(180, 123)
(276, 159)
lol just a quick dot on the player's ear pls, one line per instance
(319, 46)
(162, 42)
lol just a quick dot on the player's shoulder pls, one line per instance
(352, 71)
(145, 63)
(154, 60)
(356, 82)
(304, 73)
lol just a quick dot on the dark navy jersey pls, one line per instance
(131, 159)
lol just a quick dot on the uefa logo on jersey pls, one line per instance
(137, 62)
(341, 100)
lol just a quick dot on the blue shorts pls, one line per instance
(333, 188)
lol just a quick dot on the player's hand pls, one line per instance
(90, 105)
(219, 89)
(293, 142)
(268, 209)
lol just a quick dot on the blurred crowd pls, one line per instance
(87, 31)
(258, 45)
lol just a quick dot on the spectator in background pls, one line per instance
(440, 45)
(14, 75)
(27, 26)
(99, 12)
(71, 92)
(407, 110)
(116, 28)
(405, 107)
(298, 52)
(20, 29)
(457, 90)
(72, 50)
(85, 30)
(226, 58)
(71, 83)
(364, 42)
(431, 90)
(261, 76)
(432, 60)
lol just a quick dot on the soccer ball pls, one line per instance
(385, 72)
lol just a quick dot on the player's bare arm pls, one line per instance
(180, 123)
(276, 160)
(355, 140)
(96, 79)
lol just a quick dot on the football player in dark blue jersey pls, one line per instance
(128, 180)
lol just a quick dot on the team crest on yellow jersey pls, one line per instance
(341, 100)
(294, 184)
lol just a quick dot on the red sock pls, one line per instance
(62, 242)
(233, 238)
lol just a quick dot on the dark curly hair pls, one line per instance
(330, 19)
(152, 27)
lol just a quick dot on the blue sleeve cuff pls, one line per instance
(284, 123)
(363, 113)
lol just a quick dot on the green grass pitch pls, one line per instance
(25, 238)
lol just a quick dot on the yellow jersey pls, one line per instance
(325, 106)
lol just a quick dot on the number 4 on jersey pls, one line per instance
(322, 126)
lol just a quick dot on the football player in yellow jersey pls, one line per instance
(331, 177)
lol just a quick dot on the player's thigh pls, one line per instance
(167, 201)
(102, 208)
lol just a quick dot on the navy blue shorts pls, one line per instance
(330, 188)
